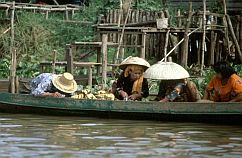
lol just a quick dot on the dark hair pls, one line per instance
(224, 68)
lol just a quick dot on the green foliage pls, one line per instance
(4, 68)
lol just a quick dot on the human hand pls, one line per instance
(164, 100)
(56, 94)
(134, 96)
(123, 94)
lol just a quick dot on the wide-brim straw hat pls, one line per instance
(166, 71)
(65, 82)
(134, 61)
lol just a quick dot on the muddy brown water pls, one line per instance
(36, 136)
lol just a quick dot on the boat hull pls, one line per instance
(229, 113)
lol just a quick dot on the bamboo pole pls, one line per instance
(55, 2)
(122, 33)
(234, 37)
(120, 12)
(166, 44)
(5, 31)
(179, 44)
(225, 7)
(184, 51)
(204, 35)
(13, 52)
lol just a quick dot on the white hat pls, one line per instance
(65, 82)
(166, 71)
(134, 61)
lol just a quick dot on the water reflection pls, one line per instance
(45, 136)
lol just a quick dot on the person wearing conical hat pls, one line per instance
(48, 84)
(175, 85)
(131, 84)
(182, 90)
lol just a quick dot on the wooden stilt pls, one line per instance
(142, 53)
(89, 72)
(99, 60)
(13, 53)
(166, 44)
(240, 34)
(234, 38)
(199, 51)
(204, 35)
(69, 59)
(16, 84)
(217, 49)
(184, 51)
(104, 59)
(212, 47)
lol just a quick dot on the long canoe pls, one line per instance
(229, 113)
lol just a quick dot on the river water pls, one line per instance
(46, 136)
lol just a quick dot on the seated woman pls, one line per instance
(48, 84)
(225, 86)
(131, 84)
(182, 90)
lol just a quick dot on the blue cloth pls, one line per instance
(41, 84)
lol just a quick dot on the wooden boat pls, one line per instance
(230, 113)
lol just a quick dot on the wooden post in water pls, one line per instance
(104, 50)
(184, 51)
(13, 53)
(204, 35)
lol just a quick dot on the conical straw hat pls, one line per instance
(134, 61)
(166, 71)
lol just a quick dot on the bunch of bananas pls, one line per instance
(84, 94)
(100, 95)
(103, 95)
